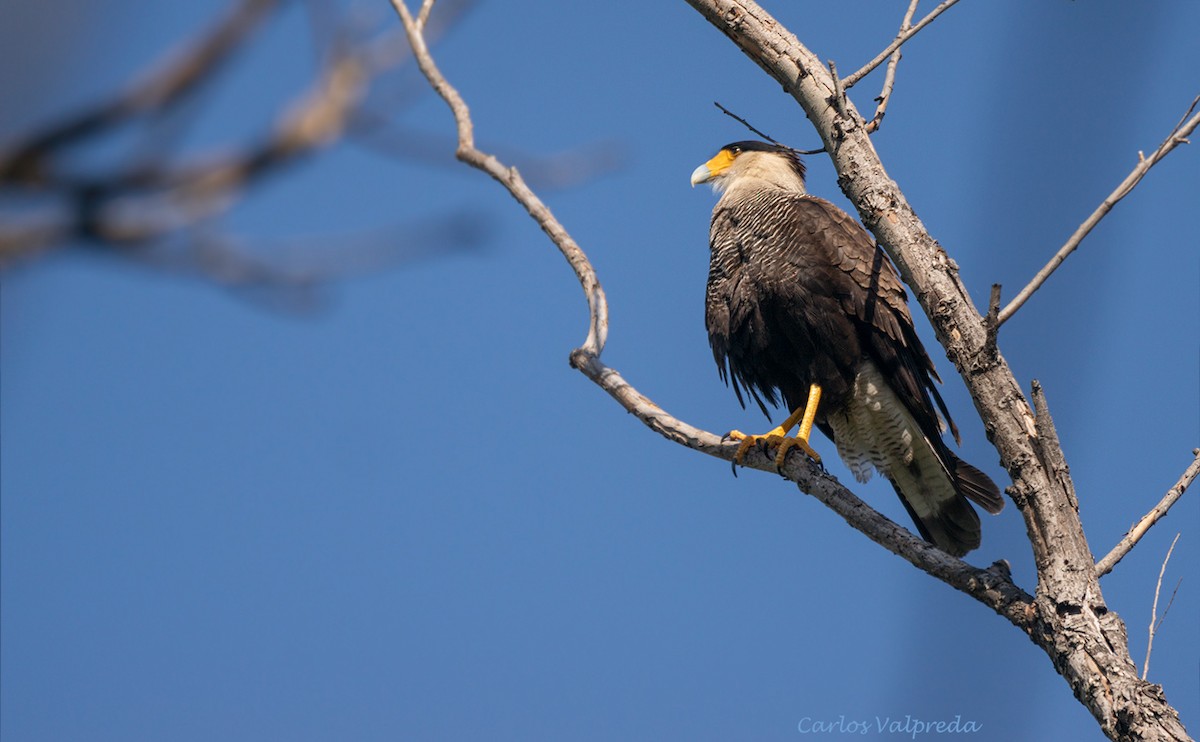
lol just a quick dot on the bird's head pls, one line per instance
(777, 165)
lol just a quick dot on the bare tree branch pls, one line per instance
(1139, 529)
(318, 118)
(31, 235)
(146, 203)
(1156, 622)
(423, 16)
(166, 85)
(1177, 136)
(1086, 642)
(924, 266)
(993, 586)
(850, 81)
(143, 200)
(889, 79)
(160, 208)
(510, 179)
(1067, 618)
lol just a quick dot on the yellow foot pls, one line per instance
(777, 438)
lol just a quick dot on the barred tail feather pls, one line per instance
(975, 485)
(877, 431)
(954, 527)
(940, 511)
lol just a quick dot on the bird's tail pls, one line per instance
(877, 431)
(935, 488)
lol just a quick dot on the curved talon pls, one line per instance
(736, 435)
(746, 442)
(803, 416)
(775, 438)
(787, 445)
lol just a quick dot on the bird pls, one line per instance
(803, 309)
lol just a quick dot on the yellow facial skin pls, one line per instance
(713, 168)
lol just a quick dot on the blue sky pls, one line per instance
(403, 516)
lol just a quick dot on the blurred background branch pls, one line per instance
(161, 205)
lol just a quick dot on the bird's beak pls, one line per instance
(713, 168)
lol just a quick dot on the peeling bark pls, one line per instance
(1085, 641)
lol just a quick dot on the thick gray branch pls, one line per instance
(1085, 641)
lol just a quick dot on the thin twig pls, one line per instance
(1105, 565)
(1170, 602)
(746, 124)
(889, 79)
(850, 81)
(1177, 136)
(762, 134)
(511, 180)
(1155, 622)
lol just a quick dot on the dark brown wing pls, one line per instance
(799, 293)
(876, 297)
(871, 292)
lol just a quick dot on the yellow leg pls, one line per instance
(802, 435)
(779, 436)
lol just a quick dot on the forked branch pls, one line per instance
(1155, 621)
(899, 41)
(889, 78)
